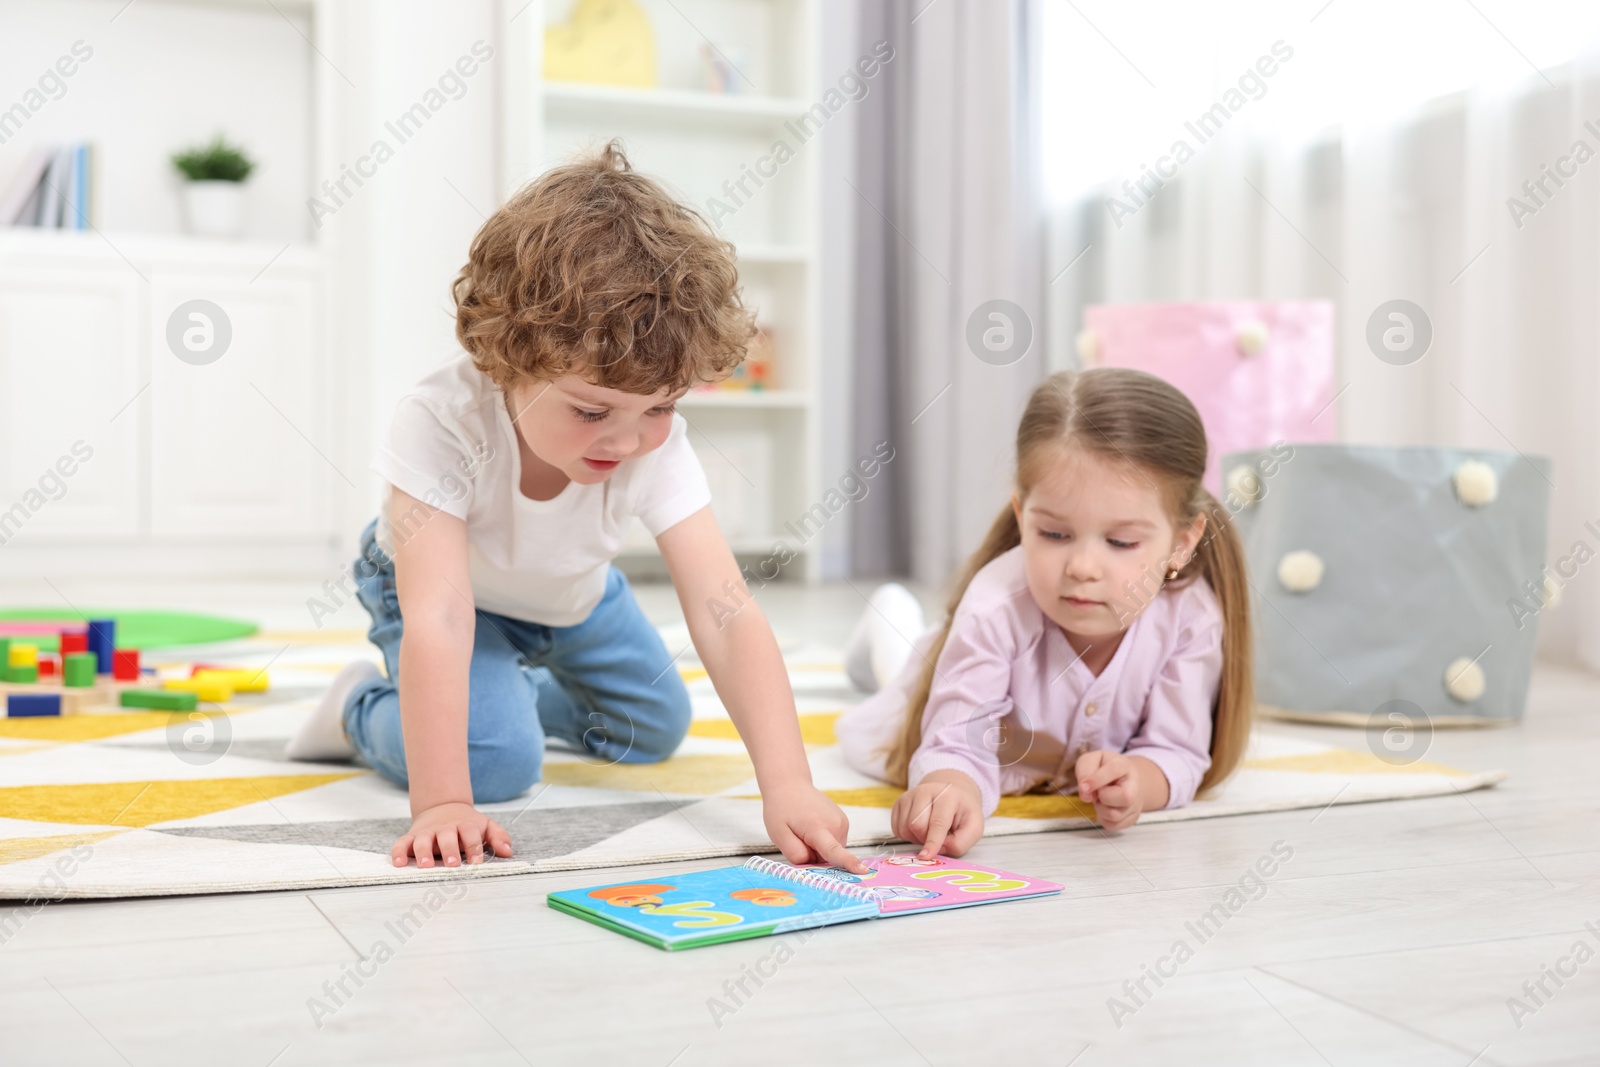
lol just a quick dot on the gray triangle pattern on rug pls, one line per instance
(541, 834)
(263, 748)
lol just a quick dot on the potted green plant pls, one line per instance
(213, 194)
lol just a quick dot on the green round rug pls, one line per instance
(135, 629)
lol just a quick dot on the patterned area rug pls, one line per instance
(152, 803)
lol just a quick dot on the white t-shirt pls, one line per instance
(452, 446)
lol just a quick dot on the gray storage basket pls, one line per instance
(1414, 580)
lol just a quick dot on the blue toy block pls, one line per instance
(102, 642)
(24, 705)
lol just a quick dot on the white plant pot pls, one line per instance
(214, 208)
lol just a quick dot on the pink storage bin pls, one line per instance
(1258, 371)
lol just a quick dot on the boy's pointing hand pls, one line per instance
(808, 827)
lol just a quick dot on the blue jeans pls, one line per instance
(606, 687)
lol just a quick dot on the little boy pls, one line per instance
(589, 304)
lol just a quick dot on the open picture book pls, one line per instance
(766, 896)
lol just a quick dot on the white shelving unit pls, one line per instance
(760, 449)
(192, 466)
(196, 470)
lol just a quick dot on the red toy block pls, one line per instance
(74, 641)
(125, 664)
(49, 665)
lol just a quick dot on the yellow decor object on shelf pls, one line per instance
(607, 42)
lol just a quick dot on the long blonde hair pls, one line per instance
(1128, 416)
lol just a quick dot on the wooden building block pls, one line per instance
(77, 669)
(125, 664)
(213, 691)
(159, 699)
(102, 642)
(73, 701)
(239, 679)
(22, 705)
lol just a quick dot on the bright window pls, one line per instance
(1121, 80)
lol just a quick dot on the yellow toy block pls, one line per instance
(211, 691)
(241, 680)
(24, 655)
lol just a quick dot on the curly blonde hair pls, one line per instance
(595, 269)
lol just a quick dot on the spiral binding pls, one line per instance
(808, 878)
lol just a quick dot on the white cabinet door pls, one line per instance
(71, 373)
(238, 445)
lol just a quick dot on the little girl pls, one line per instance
(1098, 641)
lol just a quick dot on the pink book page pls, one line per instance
(903, 883)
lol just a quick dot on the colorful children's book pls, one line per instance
(767, 896)
(903, 883)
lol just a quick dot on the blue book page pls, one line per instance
(736, 901)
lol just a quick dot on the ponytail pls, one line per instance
(1004, 535)
(1220, 559)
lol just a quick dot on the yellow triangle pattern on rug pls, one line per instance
(144, 803)
(695, 775)
(1043, 806)
(1030, 806)
(17, 849)
(85, 727)
(1348, 761)
(872, 796)
(816, 728)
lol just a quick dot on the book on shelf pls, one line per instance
(52, 189)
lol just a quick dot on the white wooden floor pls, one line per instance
(1396, 933)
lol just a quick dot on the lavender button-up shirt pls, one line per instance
(1013, 706)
